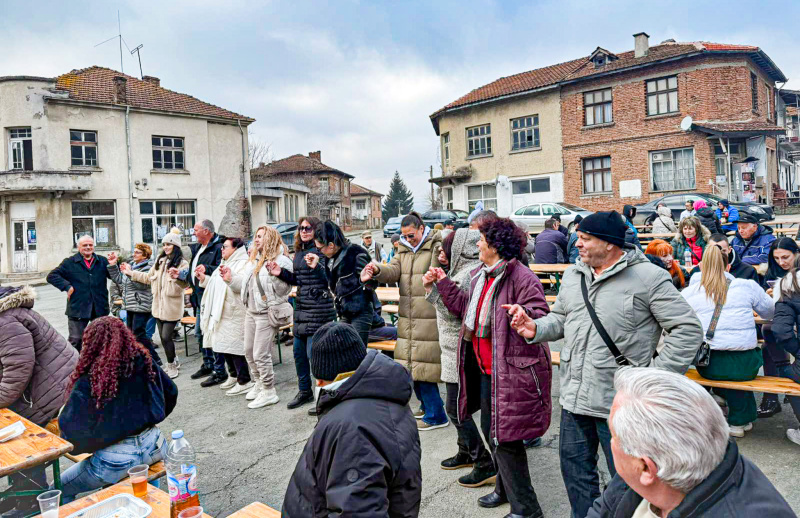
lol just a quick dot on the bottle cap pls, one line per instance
(177, 434)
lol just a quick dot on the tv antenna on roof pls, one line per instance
(136, 50)
(119, 35)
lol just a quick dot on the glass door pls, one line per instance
(24, 239)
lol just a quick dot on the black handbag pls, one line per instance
(703, 356)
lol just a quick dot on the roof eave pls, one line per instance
(630, 68)
(738, 134)
(761, 59)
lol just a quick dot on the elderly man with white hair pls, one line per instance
(84, 277)
(674, 458)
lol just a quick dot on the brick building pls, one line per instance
(366, 207)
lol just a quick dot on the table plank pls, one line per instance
(769, 384)
(256, 510)
(34, 447)
(388, 295)
(657, 235)
(550, 268)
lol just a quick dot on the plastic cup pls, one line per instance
(138, 477)
(191, 512)
(48, 503)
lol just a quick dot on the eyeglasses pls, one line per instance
(410, 236)
(305, 228)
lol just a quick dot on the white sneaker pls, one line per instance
(267, 396)
(239, 389)
(793, 435)
(177, 363)
(254, 390)
(738, 431)
(171, 371)
(229, 383)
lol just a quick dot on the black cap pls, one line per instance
(746, 217)
(607, 226)
(577, 219)
(336, 348)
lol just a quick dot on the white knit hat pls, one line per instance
(173, 237)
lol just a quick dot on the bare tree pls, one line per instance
(260, 151)
(434, 199)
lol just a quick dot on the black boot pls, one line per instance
(492, 500)
(202, 373)
(538, 514)
(479, 476)
(768, 408)
(458, 461)
(215, 379)
(302, 397)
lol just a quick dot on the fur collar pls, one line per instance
(21, 298)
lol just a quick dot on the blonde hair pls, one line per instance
(713, 280)
(271, 246)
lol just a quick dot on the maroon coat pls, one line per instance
(521, 372)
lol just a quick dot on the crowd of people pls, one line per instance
(471, 315)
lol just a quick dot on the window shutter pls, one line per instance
(27, 155)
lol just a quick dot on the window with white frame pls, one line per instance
(271, 212)
(662, 95)
(160, 217)
(597, 107)
(168, 153)
(20, 149)
(448, 198)
(486, 193)
(361, 204)
(597, 175)
(534, 185)
(525, 133)
(672, 170)
(96, 219)
(446, 150)
(323, 184)
(83, 148)
(479, 141)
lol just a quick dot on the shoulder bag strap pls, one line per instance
(260, 287)
(618, 356)
(712, 327)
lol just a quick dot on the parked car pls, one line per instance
(287, 231)
(676, 203)
(458, 217)
(535, 214)
(392, 226)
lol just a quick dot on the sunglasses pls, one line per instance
(306, 228)
(410, 236)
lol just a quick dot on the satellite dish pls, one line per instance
(686, 123)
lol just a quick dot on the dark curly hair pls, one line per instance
(506, 237)
(108, 356)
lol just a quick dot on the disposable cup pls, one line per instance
(48, 503)
(138, 477)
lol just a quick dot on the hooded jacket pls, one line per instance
(313, 305)
(167, 292)
(136, 296)
(363, 458)
(733, 216)
(708, 218)
(634, 300)
(756, 250)
(572, 248)
(632, 235)
(35, 360)
(551, 247)
(90, 298)
(735, 489)
(663, 222)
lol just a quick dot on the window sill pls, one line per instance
(169, 171)
(476, 157)
(85, 169)
(595, 126)
(671, 191)
(596, 195)
(662, 116)
(526, 150)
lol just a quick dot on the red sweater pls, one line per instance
(483, 346)
(698, 251)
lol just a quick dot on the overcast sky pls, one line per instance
(358, 80)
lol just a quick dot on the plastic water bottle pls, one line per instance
(687, 259)
(181, 464)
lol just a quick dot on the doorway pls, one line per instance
(23, 236)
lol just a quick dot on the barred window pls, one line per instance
(672, 170)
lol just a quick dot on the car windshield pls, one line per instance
(393, 221)
(461, 213)
(571, 207)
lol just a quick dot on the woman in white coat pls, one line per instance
(663, 222)
(267, 308)
(222, 317)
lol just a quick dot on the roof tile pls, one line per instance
(293, 164)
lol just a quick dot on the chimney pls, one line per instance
(641, 44)
(120, 90)
(152, 80)
(316, 155)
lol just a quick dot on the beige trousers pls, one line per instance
(259, 337)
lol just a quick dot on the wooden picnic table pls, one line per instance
(256, 510)
(657, 235)
(34, 447)
(550, 268)
(785, 231)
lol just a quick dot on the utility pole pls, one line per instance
(433, 199)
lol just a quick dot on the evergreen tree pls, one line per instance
(399, 201)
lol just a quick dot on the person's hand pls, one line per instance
(225, 273)
(273, 268)
(112, 258)
(443, 258)
(769, 292)
(312, 260)
(520, 321)
(368, 272)
(125, 268)
(70, 291)
(438, 274)
(428, 280)
(174, 272)
(200, 274)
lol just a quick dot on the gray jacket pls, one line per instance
(136, 296)
(634, 300)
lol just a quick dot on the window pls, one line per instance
(96, 219)
(662, 95)
(597, 107)
(159, 217)
(485, 193)
(271, 212)
(20, 152)
(291, 207)
(83, 147)
(345, 187)
(768, 96)
(479, 140)
(525, 132)
(734, 148)
(323, 184)
(448, 198)
(168, 153)
(672, 170)
(531, 210)
(530, 186)
(446, 149)
(597, 175)
(361, 204)
(754, 90)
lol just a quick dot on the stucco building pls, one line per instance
(101, 153)
(366, 207)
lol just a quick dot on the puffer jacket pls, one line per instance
(313, 305)
(227, 335)
(35, 360)
(634, 300)
(417, 334)
(521, 373)
(572, 248)
(136, 296)
(756, 250)
(463, 260)
(708, 218)
(363, 458)
(551, 247)
(276, 290)
(351, 296)
(731, 220)
(167, 292)
(663, 222)
(735, 489)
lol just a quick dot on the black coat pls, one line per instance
(314, 303)
(351, 295)
(90, 298)
(784, 323)
(363, 458)
(210, 258)
(735, 489)
(708, 218)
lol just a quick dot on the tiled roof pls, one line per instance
(357, 190)
(627, 59)
(753, 126)
(293, 164)
(96, 85)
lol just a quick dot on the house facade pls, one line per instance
(365, 207)
(96, 152)
(278, 201)
(789, 144)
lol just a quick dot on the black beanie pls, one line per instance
(335, 348)
(607, 226)
(577, 220)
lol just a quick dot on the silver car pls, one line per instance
(535, 214)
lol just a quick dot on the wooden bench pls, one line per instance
(256, 510)
(189, 322)
(386, 345)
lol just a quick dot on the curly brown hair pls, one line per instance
(505, 236)
(108, 356)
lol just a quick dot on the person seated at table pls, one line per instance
(782, 254)
(708, 218)
(738, 268)
(118, 397)
(664, 251)
(34, 378)
(728, 216)
(551, 245)
(662, 221)
(363, 457)
(692, 237)
(689, 210)
(752, 240)
(561, 228)
(572, 249)
(734, 347)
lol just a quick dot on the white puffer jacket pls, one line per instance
(276, 290)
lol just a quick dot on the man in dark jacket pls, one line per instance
(363, 458)
(84, 277)
(551, 245)
(675, 462)
(572, 250)
(738, 268)
(631, 234)
(752, 240)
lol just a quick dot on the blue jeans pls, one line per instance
(580, 436)
(111, 464)
(215, 362)
(302, 357)
(432, 404)
(150, 328)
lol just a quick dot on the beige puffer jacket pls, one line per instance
(417, 334)
(167, 292)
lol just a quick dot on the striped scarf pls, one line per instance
(484, 320)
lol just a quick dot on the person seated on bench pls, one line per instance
(673, 456)
(118, 397)
(734, 347)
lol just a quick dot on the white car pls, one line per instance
(534, 215)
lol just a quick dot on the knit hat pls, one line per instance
(172, 237)
(336, 348)
(577, 220)
(607, 226)
(746, 217)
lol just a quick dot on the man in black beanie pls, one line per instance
(363, 458)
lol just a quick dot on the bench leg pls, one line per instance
(185, 341)
(278, 345)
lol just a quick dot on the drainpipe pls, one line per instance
(130, 170)
(244, 161)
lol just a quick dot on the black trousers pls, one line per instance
(165, 330)
(237, 368)
(76, 328)
(137, 323)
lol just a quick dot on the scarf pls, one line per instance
(485, 318)
(414, 249)
(213, 301)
